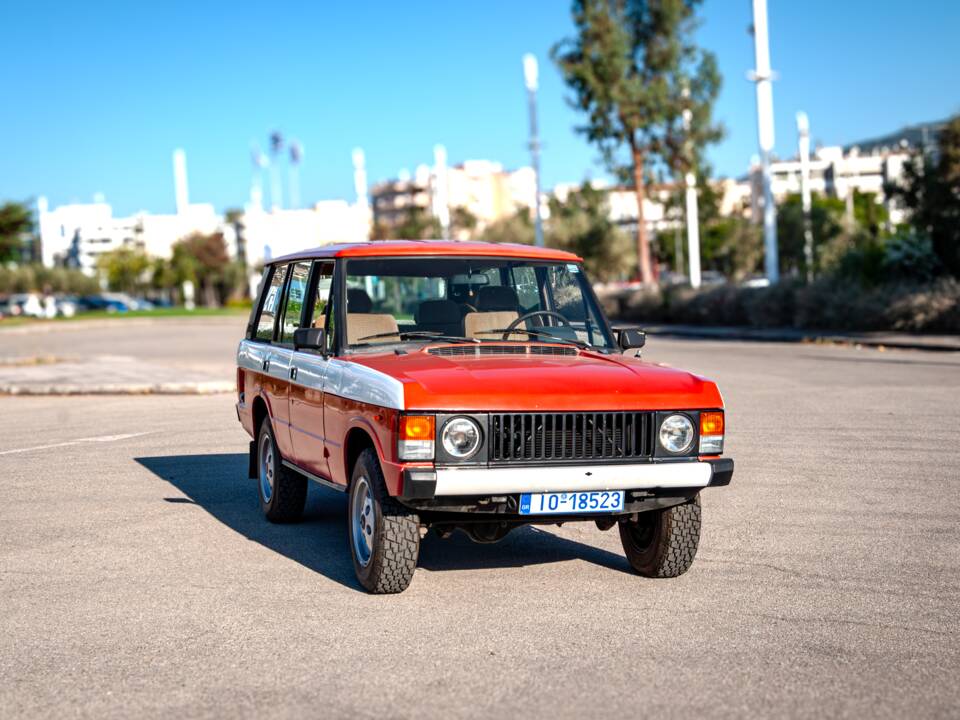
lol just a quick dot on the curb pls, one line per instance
(802, 337)
(213, 387)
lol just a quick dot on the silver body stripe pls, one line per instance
(484, 481)
(337, 377)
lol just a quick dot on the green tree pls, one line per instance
(931, 192)
(16, 225)
(203, 260)
(826, 221)
(516, 228)
(417, 224)
(462, 222)
(125, 268)
(733, 246)
(582, 225)
(634, 68)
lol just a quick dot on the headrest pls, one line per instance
(497, 297)
(437, 311)
(358, 301)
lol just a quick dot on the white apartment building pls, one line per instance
(271, 234)
(481, 187)
(833, 173)
(78, 234)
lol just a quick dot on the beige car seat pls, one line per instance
(361, 325)
(497, 307)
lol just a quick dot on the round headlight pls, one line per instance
(676, 434)
(460, 437)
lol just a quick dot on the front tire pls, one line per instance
(384, 535)
(282, 492)
(663, 543)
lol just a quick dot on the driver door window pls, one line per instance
(293, 308)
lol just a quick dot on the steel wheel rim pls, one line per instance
(266, 468)
(363, 522)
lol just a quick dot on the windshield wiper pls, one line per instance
(540, 334)
(423, 334)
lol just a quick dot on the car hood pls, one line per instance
(585, 381)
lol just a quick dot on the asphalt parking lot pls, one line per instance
(139, 580)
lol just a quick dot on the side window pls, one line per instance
(271, 303)
(324, 281)
(567, 288)
(293, 306)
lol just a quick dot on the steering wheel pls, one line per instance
(524, 318)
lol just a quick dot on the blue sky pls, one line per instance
(99, 94)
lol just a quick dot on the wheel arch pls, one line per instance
(358, 439)
(260, 411)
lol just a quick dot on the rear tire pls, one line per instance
(384, 535)
(663, 543)
(282, 492)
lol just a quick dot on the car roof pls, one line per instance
(431, 248)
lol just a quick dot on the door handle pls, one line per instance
(266, 364)
(293, 373)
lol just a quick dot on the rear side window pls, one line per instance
(271, 303)
(296, 293)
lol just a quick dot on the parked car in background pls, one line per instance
(470, 386)
(66, 305)
(89, 303)
(25, 305)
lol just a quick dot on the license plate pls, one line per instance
(571, 503)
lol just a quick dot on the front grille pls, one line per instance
(467, 350)
(569, 437)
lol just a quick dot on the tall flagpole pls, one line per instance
(763, 77)
(530, 73)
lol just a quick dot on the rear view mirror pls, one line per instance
(309, 339)
(629, 338)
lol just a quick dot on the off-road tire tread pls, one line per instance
(395, 561)
(289, 491)
(679, 537)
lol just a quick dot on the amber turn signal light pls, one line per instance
(711, 423)
(416, 437)
(417, 427)
(711, 433)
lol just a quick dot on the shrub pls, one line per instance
(831, 303)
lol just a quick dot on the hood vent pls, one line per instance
(478, 350)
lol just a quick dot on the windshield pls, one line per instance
(476, 299)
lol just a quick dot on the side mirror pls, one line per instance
(309, 339)
(629, 338)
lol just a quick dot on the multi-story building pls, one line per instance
(834, 172)
(77, 235)
(865, 166)
(482, 188)
(395, 200)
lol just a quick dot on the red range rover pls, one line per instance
(473, 386)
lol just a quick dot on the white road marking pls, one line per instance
(78, 441)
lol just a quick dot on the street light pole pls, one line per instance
(530, 73)
(693, 216)
(803, 143)
(763, 77)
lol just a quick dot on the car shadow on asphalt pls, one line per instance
(218, 483)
